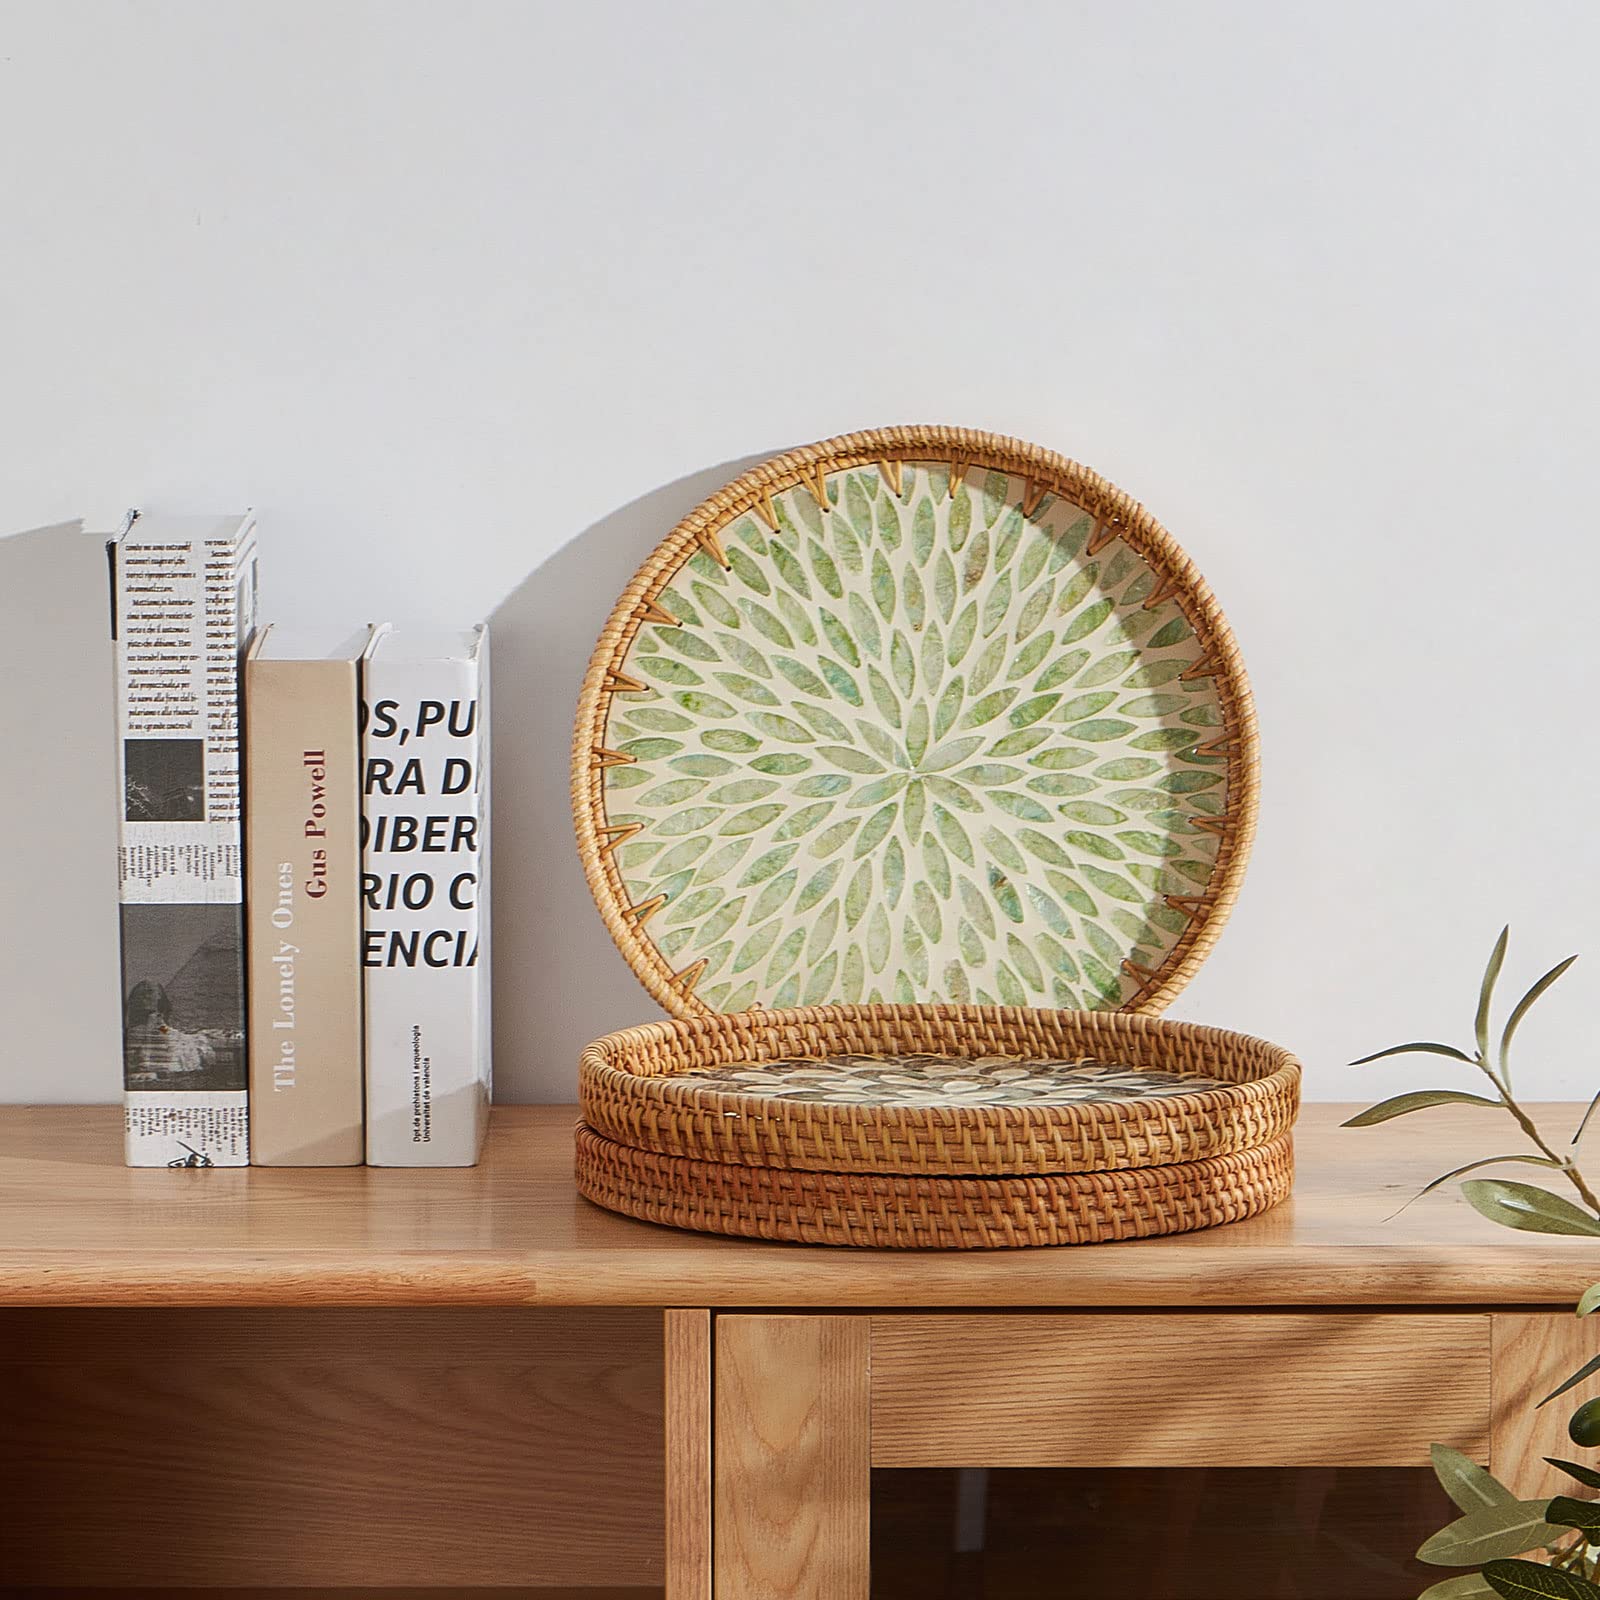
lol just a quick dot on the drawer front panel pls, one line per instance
(1159, 1389)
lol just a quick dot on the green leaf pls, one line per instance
(1584, 1121)
(1584, 1515)
(1417, 1100)
(1422, 1046)
(1487, 1161)
(1468, 1586)
(1589, 1300)
(1468, 1484)
(1587, 1370)
(1527, 1207)
(1490, 1533)
(1497, 959)
(1525, 1005)
(1531, 1580)
(1585, 1475)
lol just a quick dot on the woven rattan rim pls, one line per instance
(932, 1213)
(629, 1091)
(1045, 471)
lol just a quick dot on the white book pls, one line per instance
(425, 894)
(183, 604)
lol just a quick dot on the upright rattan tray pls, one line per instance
(918, 715)
(663, 1140)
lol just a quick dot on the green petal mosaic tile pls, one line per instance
(928, 1080)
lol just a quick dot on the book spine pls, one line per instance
(183, 610)
(303, 911)
(425, 903)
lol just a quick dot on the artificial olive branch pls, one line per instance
(1498, 1528)
(1512, 1204)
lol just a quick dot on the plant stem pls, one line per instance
(1525, 1122)
(1572, 1554)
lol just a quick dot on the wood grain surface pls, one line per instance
(78, 1228)
(293, 1449)
(687, 1336)
(340, 1592)
(1534, 1352)
(1158, 1389)
(792, 1458)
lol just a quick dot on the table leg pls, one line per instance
(687, 1337)
(791, 1462)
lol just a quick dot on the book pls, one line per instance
(425, 894)
(303, 895)
(58, 804)
(183, 604)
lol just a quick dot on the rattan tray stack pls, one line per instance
(681, 1125)
(914, 774)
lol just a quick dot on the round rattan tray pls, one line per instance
(932, 1213)
(922, 714)
(724, 1090)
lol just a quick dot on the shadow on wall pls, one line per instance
(558, 979)
(59, 978)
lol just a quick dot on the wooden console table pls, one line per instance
(377, 1380)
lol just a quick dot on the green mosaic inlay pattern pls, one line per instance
(918, 747)
(929, 1080)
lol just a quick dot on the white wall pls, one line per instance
(473, 301)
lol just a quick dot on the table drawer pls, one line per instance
(1156, 1388)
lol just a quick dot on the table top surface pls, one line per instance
(79, 1228)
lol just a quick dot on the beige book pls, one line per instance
(303, 896)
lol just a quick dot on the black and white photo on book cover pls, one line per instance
(182, 999)
(164, 780)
